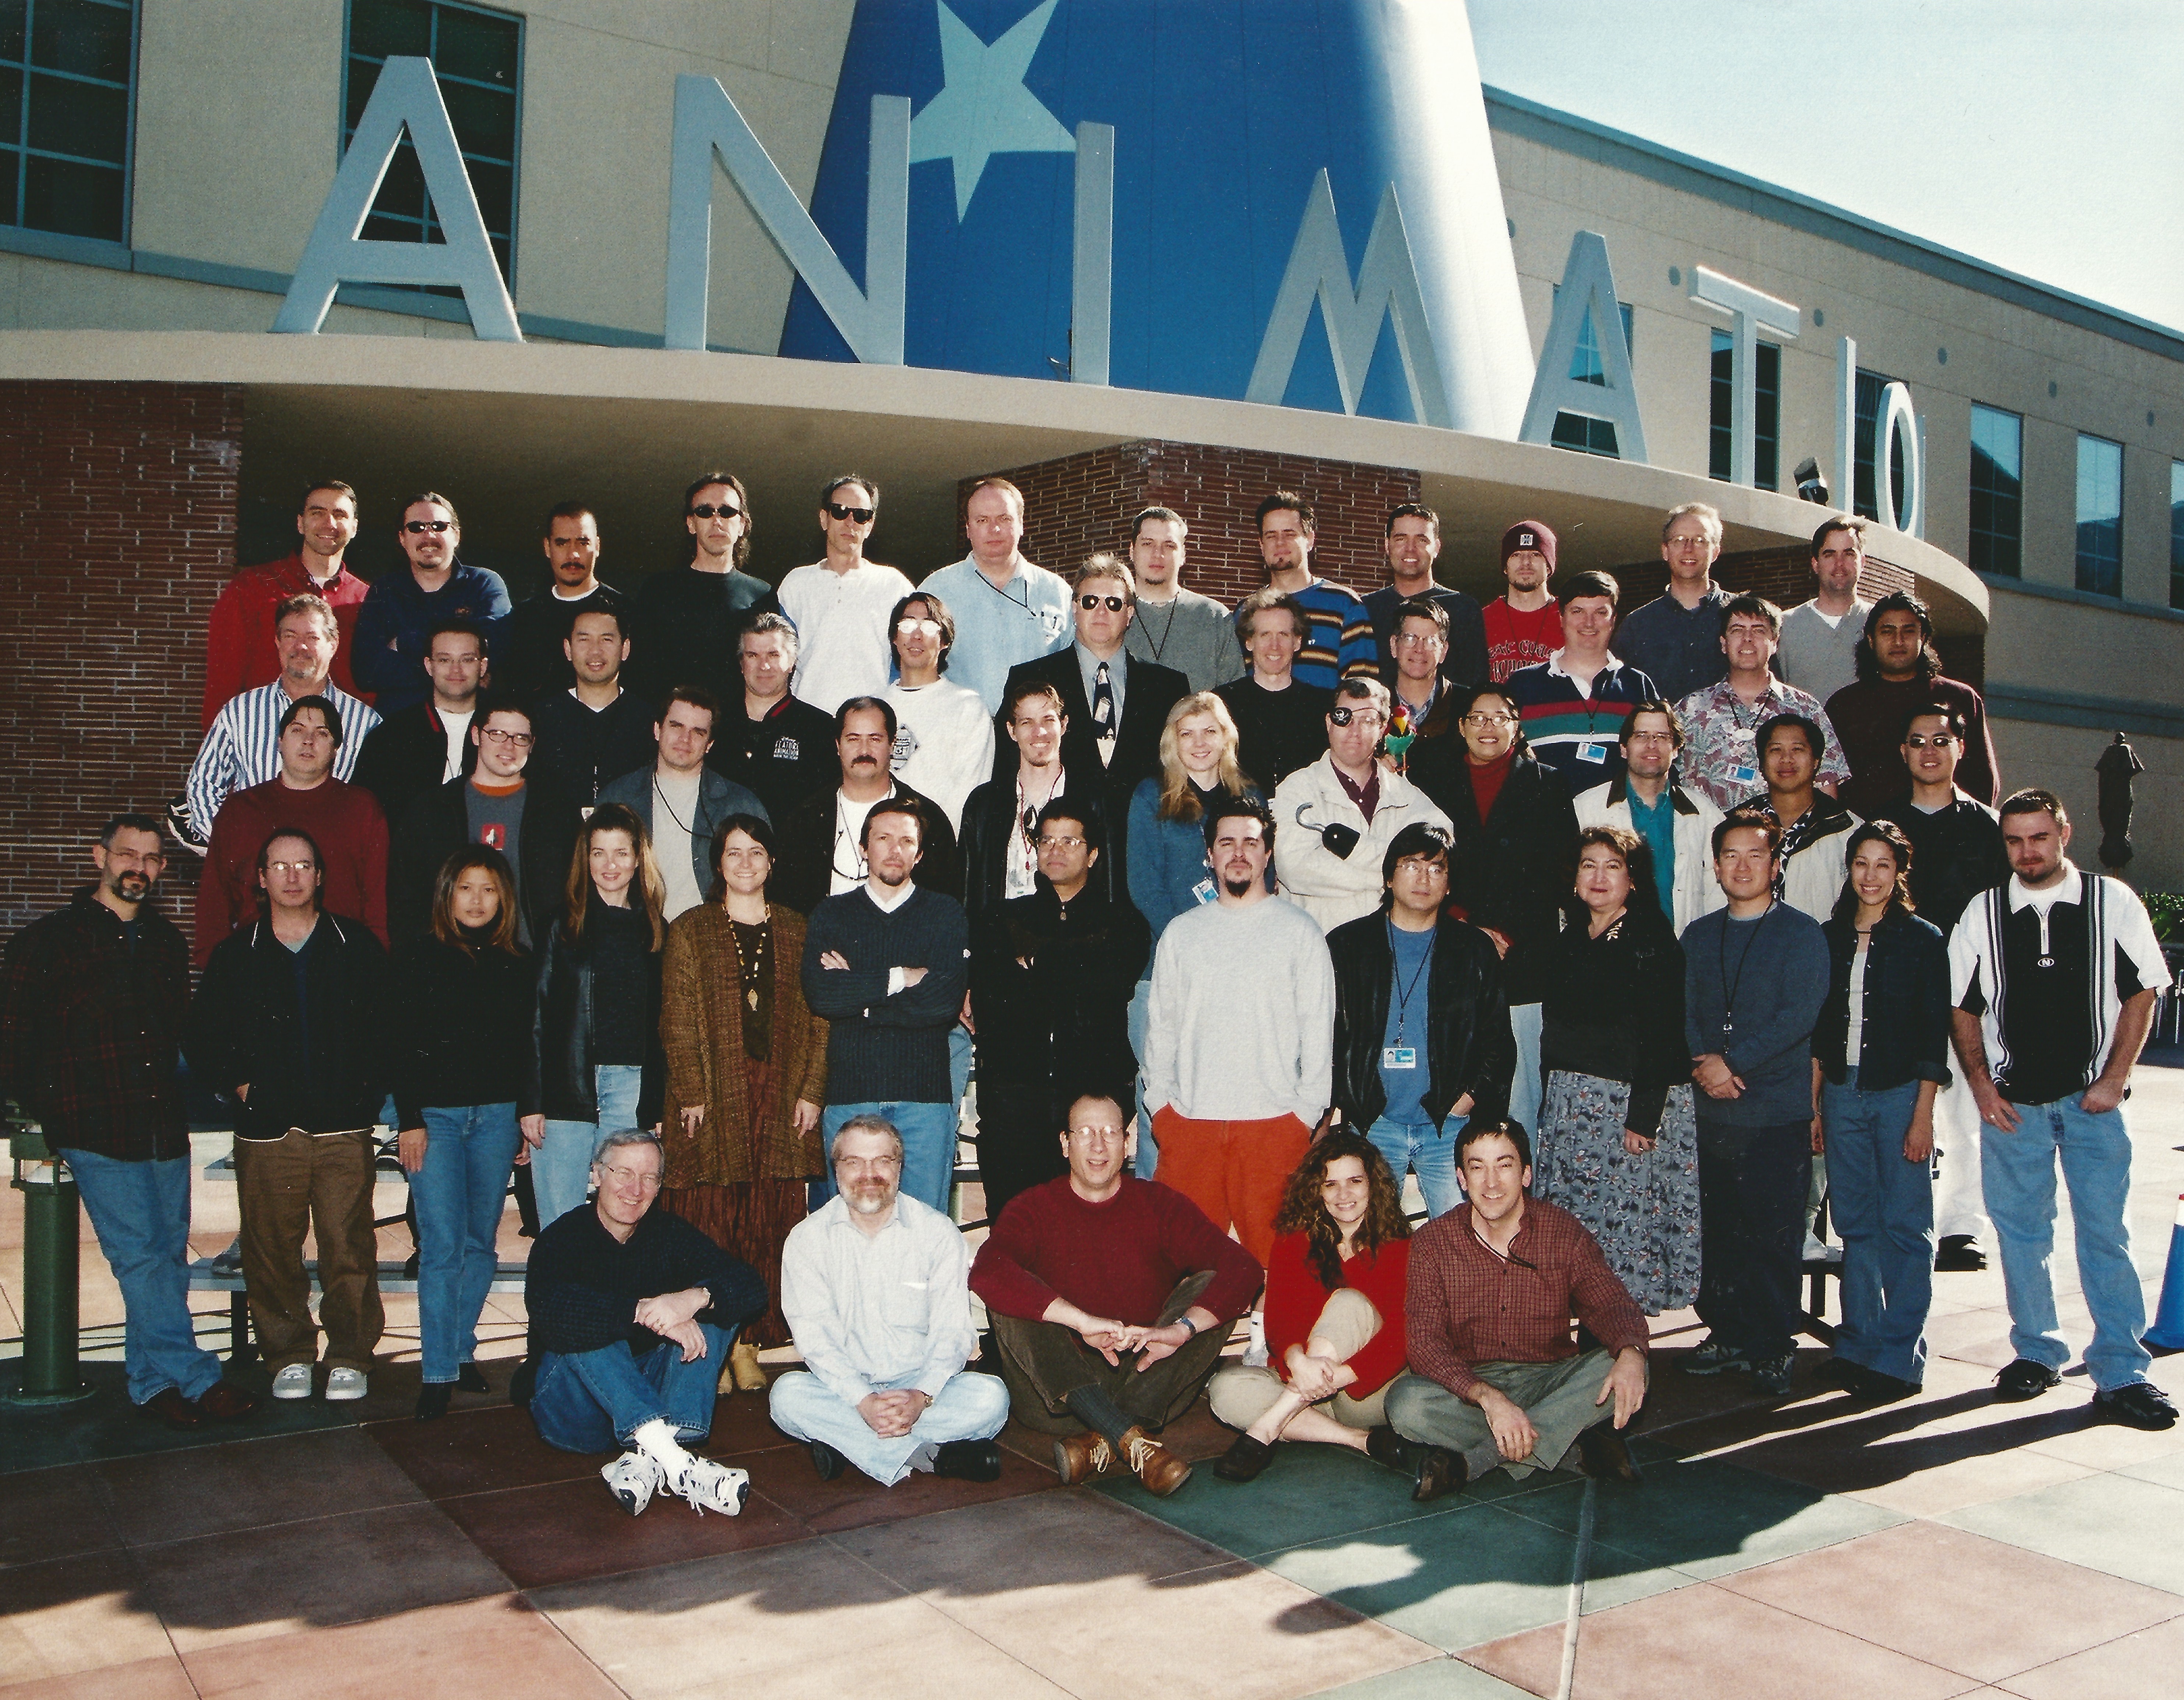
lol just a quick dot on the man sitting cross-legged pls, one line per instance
(1110, 1299)
(632, 1312)
(875, 1288)
(1495, 1378)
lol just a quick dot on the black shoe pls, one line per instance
(1384, 1446)
(1770, 1376)
(471, 1379)
(2024, 1380)
(520, 1383)
(968, 1460)
(1440, 1472)
(2139, 1403)
(1878, 1387)
(1605, 1456)
(1960, 1254)
(1839, 1372)
(1244, 1460)
(409, 1266)
(432, 1399)
(827, 1461)
(1712, 1354)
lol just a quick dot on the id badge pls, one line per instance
(1744, 776)
(1399, 1056)
(1592, 752)
(1203, 891)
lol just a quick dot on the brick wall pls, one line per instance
(121, 510)
(1082, 502)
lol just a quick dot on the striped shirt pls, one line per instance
(244, 747)
(1340, 640)
(1577, 732)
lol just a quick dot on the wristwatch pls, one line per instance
(1186, 1321)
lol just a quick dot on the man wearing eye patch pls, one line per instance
(685, 623)
(841, 602)
(395, 626)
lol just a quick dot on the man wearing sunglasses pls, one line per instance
(944, 740)
(686, 621)
(394, 628)
(840, 603)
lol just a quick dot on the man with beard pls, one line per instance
(529, 659)
(93, 1003)
(401, 608)
(822, 835)
(876, 1289)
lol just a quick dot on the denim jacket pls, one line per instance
(1905, 1035)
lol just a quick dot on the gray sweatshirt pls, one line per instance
(1194, 635)
(1767, 977)
(1240, 1027)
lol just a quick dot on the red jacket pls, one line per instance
(1296, 1297)
(239, 651)
(351, 834)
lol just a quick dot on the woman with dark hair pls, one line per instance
(462, 1033)
(746, 1073)
(1617, 1144)
(1335, 1314)
(1880, 1053)
(596, 1029)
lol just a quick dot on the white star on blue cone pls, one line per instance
(983, 107)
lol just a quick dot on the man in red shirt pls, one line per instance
(1524, 624)
(240, 653)
(1495, 1378)
(1110, 1299)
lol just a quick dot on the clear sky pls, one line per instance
(2043, 136)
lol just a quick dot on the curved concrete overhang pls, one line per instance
(523, 418)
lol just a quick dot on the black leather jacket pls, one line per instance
(562, 1083)
(1905, 1035)
(1469, 1045)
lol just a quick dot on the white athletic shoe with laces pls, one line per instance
(344, 1383)
(293, 1382)
(634, 1478)
(710, 1486)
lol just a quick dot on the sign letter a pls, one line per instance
(1588, 289)
(406, 97)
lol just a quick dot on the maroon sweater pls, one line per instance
(1868, 722)
(1120, 1258)
(352, 837)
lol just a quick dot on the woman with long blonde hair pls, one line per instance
(596, 1032)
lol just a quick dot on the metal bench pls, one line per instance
(217, 1275)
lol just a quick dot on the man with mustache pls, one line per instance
(393, 625)
(822, 837)
(93, 1000)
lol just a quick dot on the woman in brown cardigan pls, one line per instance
(746, 1073)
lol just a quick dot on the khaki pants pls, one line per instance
(1043, 1362)
(1559, 1397)
(1240, 1395)
(319, 1183)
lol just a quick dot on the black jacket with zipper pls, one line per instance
(1468, 1047)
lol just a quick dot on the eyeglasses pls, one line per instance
(1491, 719)
(1404, 640)
(863, 517)
(1363, 716)
(1114, 605)
(726, 511)
(416, 526)
(521, 740)
(1649, 738)
(291, 866)
(1940, 740)
(1090, 1131)
(639, 1178)
(1054, 841)
(907, 628)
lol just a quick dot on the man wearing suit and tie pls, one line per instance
(1115, 706)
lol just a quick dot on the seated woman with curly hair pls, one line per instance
(1335, 1314)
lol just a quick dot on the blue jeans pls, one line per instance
(1427, 1149)
(928, 1148)
(592, 1402)
(561, 1168)
(141, 1212)
(969, 1407)
(2019, 1170)
(1147, 1157)
(1525, 1091)
(1883, 1210)
(460, 1194)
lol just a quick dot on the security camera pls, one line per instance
(1811, 486)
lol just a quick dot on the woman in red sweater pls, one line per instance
(1335, 1314)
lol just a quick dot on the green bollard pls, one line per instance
(50, 1226)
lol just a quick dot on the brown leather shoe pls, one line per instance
(1441, 1471)
(1079, 1458)
(171, 1406)
(1161, 1470)
(225, 1403)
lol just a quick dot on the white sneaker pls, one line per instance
(710, 1486)
(633, 1479)
(293, 1382)
(345, 1383)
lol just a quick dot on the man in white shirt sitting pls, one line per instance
(876, 1289)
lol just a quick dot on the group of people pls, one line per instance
(696, 910)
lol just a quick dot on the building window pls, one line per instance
(2176, 534)
(1586, 435)
(2100, 515)
(1766, 414)
(1585, 363)
(66, 68)
(1998, 495)
(478, 58)
(1580, 431)
(1865, 495)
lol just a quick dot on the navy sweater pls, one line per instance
(882, 1049)
(581, 1285)
(1777, 966)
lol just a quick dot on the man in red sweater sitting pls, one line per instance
(1495, 1378)
(1110, 1299)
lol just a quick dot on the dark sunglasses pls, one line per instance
(420, 525)
(863, 517)
(726, 511)
(1115, 604)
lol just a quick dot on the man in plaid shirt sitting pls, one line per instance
(1495, 1380)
